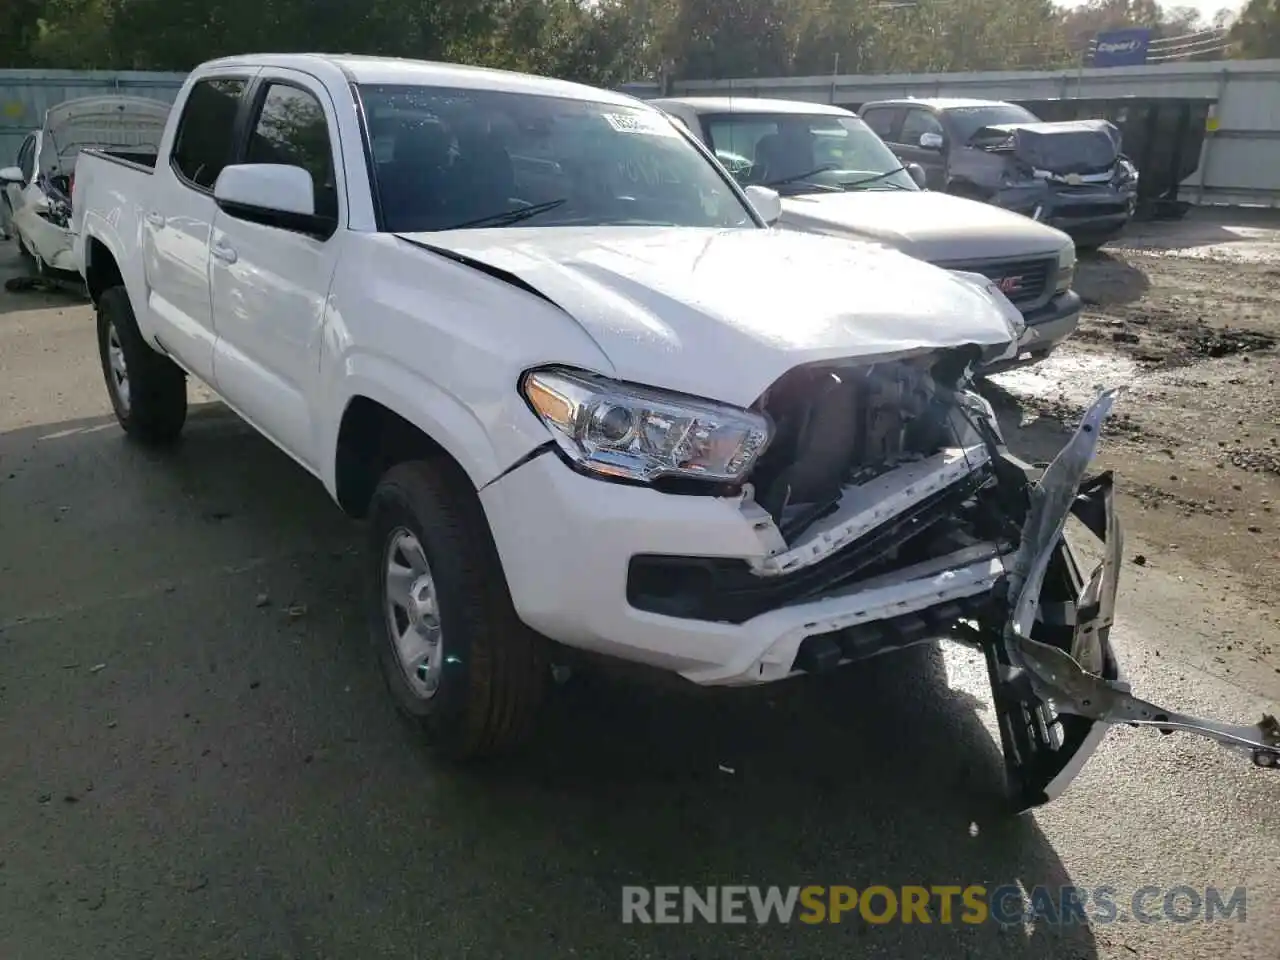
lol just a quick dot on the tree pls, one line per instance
(1256, 31)
(606, 42)
(730, 38)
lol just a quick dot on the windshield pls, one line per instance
(455, 158)
(813, 153)
(966, 121)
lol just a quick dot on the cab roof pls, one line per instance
(752, 105)
(395, 70)
(936, 103)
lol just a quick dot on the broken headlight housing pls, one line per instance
(620, 430)
(1066, 267)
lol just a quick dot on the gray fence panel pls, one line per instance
(25, 95)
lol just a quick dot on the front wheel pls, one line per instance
(148, 390)
(456, 658)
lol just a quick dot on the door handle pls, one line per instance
(155, 219)
(223, 251)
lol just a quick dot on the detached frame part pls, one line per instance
(1049, 658)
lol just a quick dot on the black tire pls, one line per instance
(27, 257)
(494, 670)
(156, 405)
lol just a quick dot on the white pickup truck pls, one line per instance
(590, 403)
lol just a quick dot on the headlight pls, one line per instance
(1066, 268)
(620, 430)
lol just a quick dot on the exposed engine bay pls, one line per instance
(841, 425)
(57, 191)
(896, 472)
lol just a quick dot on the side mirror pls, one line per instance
(916, 172)
(11, 175)
(767, 203)
(272, 194)
(931, 141)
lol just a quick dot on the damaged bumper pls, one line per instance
(575, 553)
(1087, 212)
(1055, 677)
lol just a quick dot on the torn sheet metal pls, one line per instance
(1056, 675)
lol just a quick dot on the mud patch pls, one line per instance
(1228, 342)
(1257, 461)
(1156, 498)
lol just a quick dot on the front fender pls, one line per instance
(482, 447)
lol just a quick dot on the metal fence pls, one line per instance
(25, 95)
(1240, 156)
(1240, 162)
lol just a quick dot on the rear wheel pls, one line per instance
(148, 390)
(456, 658)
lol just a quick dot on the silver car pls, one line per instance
(37, 188)
(835, 176)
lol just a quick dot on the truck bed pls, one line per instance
(143, 160)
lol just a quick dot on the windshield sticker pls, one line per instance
(640, 123)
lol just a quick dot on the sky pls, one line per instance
(1207, 8)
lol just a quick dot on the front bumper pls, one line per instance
(1091, 212)
(1047, 326)
(567, 541)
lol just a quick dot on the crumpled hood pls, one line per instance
(932, 226)
(1068, 146)
(106, 122)
(723, 313)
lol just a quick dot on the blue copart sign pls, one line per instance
(1122, 48)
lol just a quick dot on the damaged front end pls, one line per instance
(896, 473)
(1071, 175)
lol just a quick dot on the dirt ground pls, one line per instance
(1187, 315)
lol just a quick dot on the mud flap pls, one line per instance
(1055, 679)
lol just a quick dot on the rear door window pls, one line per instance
(206, 130)
(880, 120)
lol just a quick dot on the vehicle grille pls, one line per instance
(1068, 210)
(1024, 282)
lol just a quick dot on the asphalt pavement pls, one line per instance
(197, 758)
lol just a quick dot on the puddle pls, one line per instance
(1070, 376)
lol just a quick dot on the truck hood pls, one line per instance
(1071, 146)
(106, 122)
(723, 313)
(932, 226)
